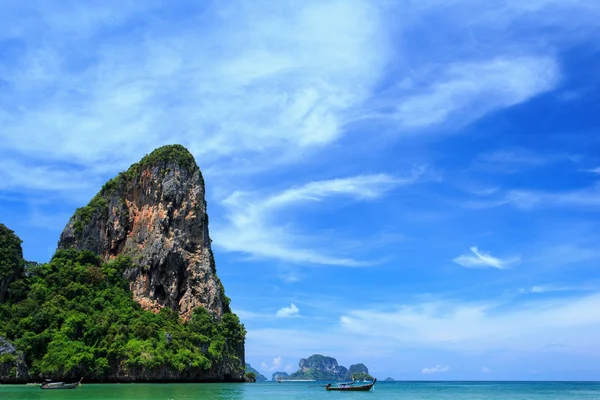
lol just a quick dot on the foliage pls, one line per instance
(160, 157)
(75, 316)
(11, 254)
(321, 367)
(361, 376)
(250, 377)
(257, 375)
(83, 215)
(359, 372)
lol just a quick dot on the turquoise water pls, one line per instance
(313, 391)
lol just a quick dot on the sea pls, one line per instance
(314, 391)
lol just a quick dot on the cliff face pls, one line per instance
(12, 364)
(155, 213)
(11, 259)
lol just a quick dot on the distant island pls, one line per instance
(322, 368)
(389, 379)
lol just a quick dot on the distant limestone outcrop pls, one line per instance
(155, 213)
(280, 376)
(319, 367)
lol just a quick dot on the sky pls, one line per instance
(412, 185)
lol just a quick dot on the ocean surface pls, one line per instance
(314, 391)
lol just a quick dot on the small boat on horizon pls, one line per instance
(350, 387)
(60, 385)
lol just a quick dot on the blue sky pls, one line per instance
(413, 185)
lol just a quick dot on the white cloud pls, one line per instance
(511, 160)
(486, 370)
(246, 315)
(481, 326)
(483, 260)
(275, 364)
(286, 312)
(585, 199)
(437, 369)
(555, 288)
(463, 92)
(254, 80)
(256, 224)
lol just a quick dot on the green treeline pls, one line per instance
(11, 254)
(75, 316)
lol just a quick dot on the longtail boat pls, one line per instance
(60, 385)
(350, 387)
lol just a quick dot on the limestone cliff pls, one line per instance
(327, 368)
(155, 213)
(277, 376)
(11, 259)
(320, 367)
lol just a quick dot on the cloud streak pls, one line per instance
(437, 369)
(481, 326)
(584, 199)
(256, 223)
(480, 259)
(479, 87)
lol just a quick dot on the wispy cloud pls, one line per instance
(585, 287)
(479, 87)
(586, 198)
(245, 80)
(256, 222)
(511, 161)
(490, 325)
(286, 312)
(437, 369)
(486, 370)
(483, 260)
(275, 365)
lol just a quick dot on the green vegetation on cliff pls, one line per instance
(75, 316)
(11, 254)
(160, 157)
(323, 368)
(176, 154)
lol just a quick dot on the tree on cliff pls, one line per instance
(11, 258)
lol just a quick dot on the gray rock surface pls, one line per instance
(279, 376)
(155, 213)
(12, 364)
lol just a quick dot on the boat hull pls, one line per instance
(350, 388)
(60, 385)
(67, 386)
